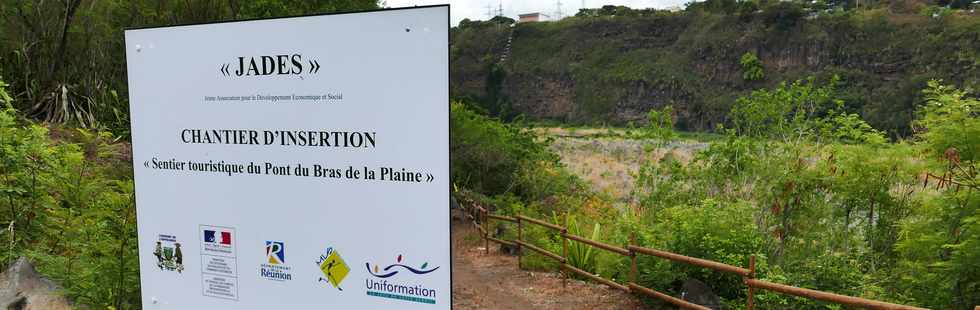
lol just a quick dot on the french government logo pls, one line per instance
(218, 241)
(219, 262)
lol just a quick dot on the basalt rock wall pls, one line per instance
(612, 70)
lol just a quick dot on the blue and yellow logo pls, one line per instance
(275, 268)
(275, 251)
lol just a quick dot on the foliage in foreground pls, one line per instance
(68, 206)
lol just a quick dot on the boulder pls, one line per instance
(22, 288)
(697, 292)
(504, 248)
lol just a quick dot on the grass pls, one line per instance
(608, 157)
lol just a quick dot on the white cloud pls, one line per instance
(477, 9)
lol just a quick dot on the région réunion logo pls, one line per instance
(275, 266)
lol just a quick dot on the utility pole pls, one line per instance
(492, 13)
(558, 12)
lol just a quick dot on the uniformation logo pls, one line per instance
(333, 268)
(168, 253)
(275, 268)
(393, 269)
(379, 286)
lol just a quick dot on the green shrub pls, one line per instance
(65, 212)
(488, 155)
(580, 255)
(950, 119)
(722, 232)
(940, 239)
(5, 98)
(661, 126)
(751, 67)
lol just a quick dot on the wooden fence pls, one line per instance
(481, 218)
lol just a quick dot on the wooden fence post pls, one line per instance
(564, 254)
(486, 231)
(632, 258)
(520, 239)
(751, 305)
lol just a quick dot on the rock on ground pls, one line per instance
(22, 288)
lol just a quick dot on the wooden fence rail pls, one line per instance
(481, 219)
(692, 261)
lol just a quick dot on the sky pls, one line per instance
(477, 9)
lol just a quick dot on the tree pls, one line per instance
(661, 126)
(950, 119)
(65, 59)
(944, 241)
(276, 8)
(801, 111)
(785, 112)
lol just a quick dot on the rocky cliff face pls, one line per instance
(615, 69)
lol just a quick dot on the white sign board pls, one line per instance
(293, 163)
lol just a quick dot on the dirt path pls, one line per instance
(493, 281)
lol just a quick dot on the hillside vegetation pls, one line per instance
(612, 65)
(68, 205)
(821, 199)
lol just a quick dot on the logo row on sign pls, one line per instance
(218, 244)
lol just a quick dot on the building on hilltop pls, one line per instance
(531, 17)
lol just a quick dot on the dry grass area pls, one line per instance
(609, 160)
(577, 132)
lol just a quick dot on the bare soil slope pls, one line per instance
(493, 281)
